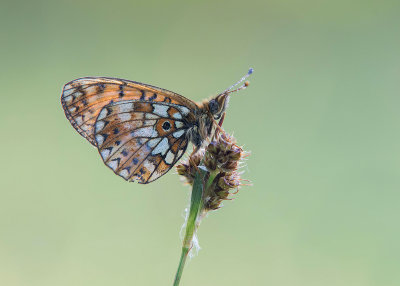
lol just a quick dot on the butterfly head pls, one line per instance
(218, 105)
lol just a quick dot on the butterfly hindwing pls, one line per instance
(141, 140)
(84, 98)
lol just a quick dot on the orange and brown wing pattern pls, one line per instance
(141, 140)
(84, 98)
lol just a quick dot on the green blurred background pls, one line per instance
(321, 119)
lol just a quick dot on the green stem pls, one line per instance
(196, 203)
(178, 275)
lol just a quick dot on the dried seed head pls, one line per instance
(221, 157)
(229, 181)
(188, 168)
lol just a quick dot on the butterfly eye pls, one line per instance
(166, 126)
(214, 106)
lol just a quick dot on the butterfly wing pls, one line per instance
(84, 98)
(141, 140)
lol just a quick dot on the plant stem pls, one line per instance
(178, 275)
(196, 203)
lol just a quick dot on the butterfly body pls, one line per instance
(140, 130)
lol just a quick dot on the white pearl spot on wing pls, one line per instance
(126, 107)
(169, 158)
(178, 134)
(124, 173)
(145, 132)
(178, 124)
(99, 139)
(102, 114)
(105, 153)
(161, 148)
(113, 165)
(183, 109)
(153, 142)
(177, 115)
(161, 110)
(99, 125)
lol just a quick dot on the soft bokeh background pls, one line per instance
(321, 118)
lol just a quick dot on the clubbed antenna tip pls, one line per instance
(243, 86)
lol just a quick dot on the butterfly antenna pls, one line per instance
(243, 86)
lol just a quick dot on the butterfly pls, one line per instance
(140, 130)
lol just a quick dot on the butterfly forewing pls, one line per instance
(141, 140)
(84, 98)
